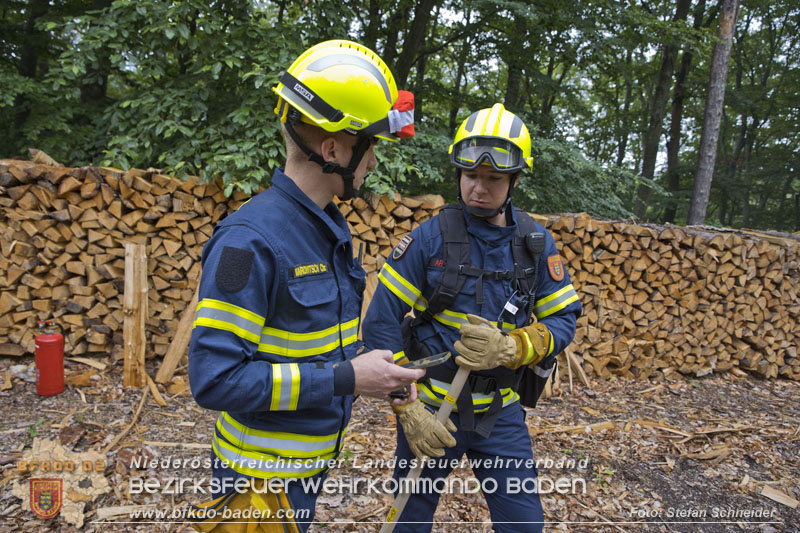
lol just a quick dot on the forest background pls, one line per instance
(614, 92)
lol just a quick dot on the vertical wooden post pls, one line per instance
(135, 308)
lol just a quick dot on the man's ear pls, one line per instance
(328, 148)
(515, 179)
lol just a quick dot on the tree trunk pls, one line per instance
(781, 220)
(622, 142)
(32, 44)
(422, 63)
(797, 211)
(412, 39)
(515, 62)
(658, 109)
(93, 87)
(373, 24)
(456, 102)
(713, 113)
(674, 142)
(746, 207)
(723, 207)
(281, 11)
(394, 25)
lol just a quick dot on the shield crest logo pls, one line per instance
(556, 267)
(401, 247)
(46, 497)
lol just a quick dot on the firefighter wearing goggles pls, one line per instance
(492, 138)
(484, 281)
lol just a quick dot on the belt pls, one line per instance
(482, 385)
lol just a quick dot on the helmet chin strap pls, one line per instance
(347, 173)
(481, 212)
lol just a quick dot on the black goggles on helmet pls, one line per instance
(503, 155)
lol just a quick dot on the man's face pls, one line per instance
(484, 187)
(367, 163)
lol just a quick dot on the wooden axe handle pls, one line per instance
(441, 415)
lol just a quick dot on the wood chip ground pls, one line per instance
(645, 451)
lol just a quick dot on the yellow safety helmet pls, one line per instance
(341, 85)
(495, 137)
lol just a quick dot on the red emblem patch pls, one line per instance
(46, 497)
(401, 247)
(556, 267)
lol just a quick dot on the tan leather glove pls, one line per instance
(425, 435)
(483, 346)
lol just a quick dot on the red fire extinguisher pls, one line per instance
(49, 359)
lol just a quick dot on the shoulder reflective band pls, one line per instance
(319, 105)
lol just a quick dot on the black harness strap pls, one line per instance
(526, 247)
(456, 255)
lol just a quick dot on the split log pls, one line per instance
(135, 316)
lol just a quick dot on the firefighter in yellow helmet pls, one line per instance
(484, 281)
(341, 86)
(274, 344)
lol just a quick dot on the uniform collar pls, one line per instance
(331, 217)
(491, 233)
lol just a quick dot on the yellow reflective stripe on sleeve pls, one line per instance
(555, 302)
(456, 320)
(250, 326)
(289, 344)
(349, 332)
(551, 347)
(295, 387)
(402, 288)
(228, 317)
(277, 378)
(285, 387)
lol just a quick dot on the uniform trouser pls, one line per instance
(302, 501)
(518, 511)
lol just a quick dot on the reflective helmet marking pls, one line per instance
(343, 59)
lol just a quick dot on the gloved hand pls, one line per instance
(425, 434)
(483, 346)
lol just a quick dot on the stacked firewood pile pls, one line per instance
(656, 299)
(692, 300)
(63, 233)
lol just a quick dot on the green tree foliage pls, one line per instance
(187, 87)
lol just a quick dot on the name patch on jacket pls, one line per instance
(401, 247)
(309, 270)
(556, 267)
